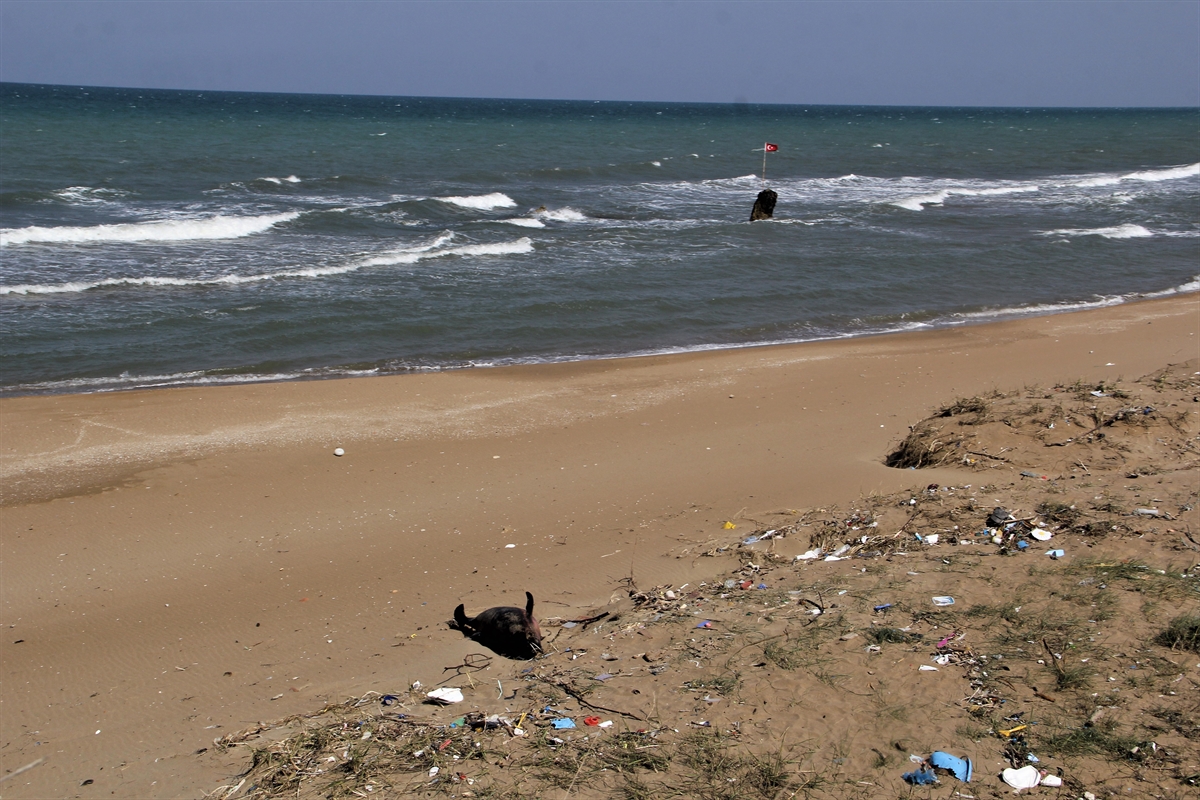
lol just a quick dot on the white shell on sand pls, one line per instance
(337, 451)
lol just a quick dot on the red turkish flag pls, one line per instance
(770, 148)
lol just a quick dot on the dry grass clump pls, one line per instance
(1182, 634)
(926, 446)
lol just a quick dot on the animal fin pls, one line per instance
(460, 615)
(529, 605)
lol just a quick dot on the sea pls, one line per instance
(165, 238)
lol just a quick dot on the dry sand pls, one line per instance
(180, 565)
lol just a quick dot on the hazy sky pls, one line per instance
(953, 52)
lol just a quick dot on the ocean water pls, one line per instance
(157, 238)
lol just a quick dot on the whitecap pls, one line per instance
(525, 222)
(522, 245)
(87, 195)
(483, 202)
(564, 214)
(1145, 176)
(918, 202)
(220, 227)
(1168, 174)
(408, 255)
(1127, 231)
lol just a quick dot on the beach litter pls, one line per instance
(445, 696)
(961, 768)
(563, 723)
(339, 452)
(943, 600)
(1056, 554)
(920, 777)
(998, 517)
(1026, 777)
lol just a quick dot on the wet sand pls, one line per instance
(179, 564)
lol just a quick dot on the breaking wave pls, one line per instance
(87, 195)
(220, 227)
(1116, 232)
(918, 202)
(564, 214)
(522, 245)
(1146, 176)
(482, 202)
(410, 255)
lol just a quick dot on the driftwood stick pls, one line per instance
(19, 770)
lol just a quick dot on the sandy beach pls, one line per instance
(182, 564)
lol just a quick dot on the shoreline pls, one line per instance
(180, 563)
(212, 378)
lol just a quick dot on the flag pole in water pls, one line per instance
(764, 206)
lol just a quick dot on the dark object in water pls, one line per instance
(507, 630)
(764, 206)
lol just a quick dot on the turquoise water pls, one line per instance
(154, 238)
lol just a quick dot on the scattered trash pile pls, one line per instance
(1041, 629)
(380, 744)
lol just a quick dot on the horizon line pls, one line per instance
(735, 103)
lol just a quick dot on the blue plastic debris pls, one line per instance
(1022, 545)
(961, 768)
(562, 723)
(883, 607)
(920, 777)
(389, 700)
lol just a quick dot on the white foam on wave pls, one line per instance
(1184, 288)
(564, 214)
(525, 222)
(281, 181)
(1127, 231)
(1099, 301)
(127, 381)
(408, 255)
(522, 245)
(1146, 176)
(220, 227)
(87, 195)
(482, 202)
(918, 202)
